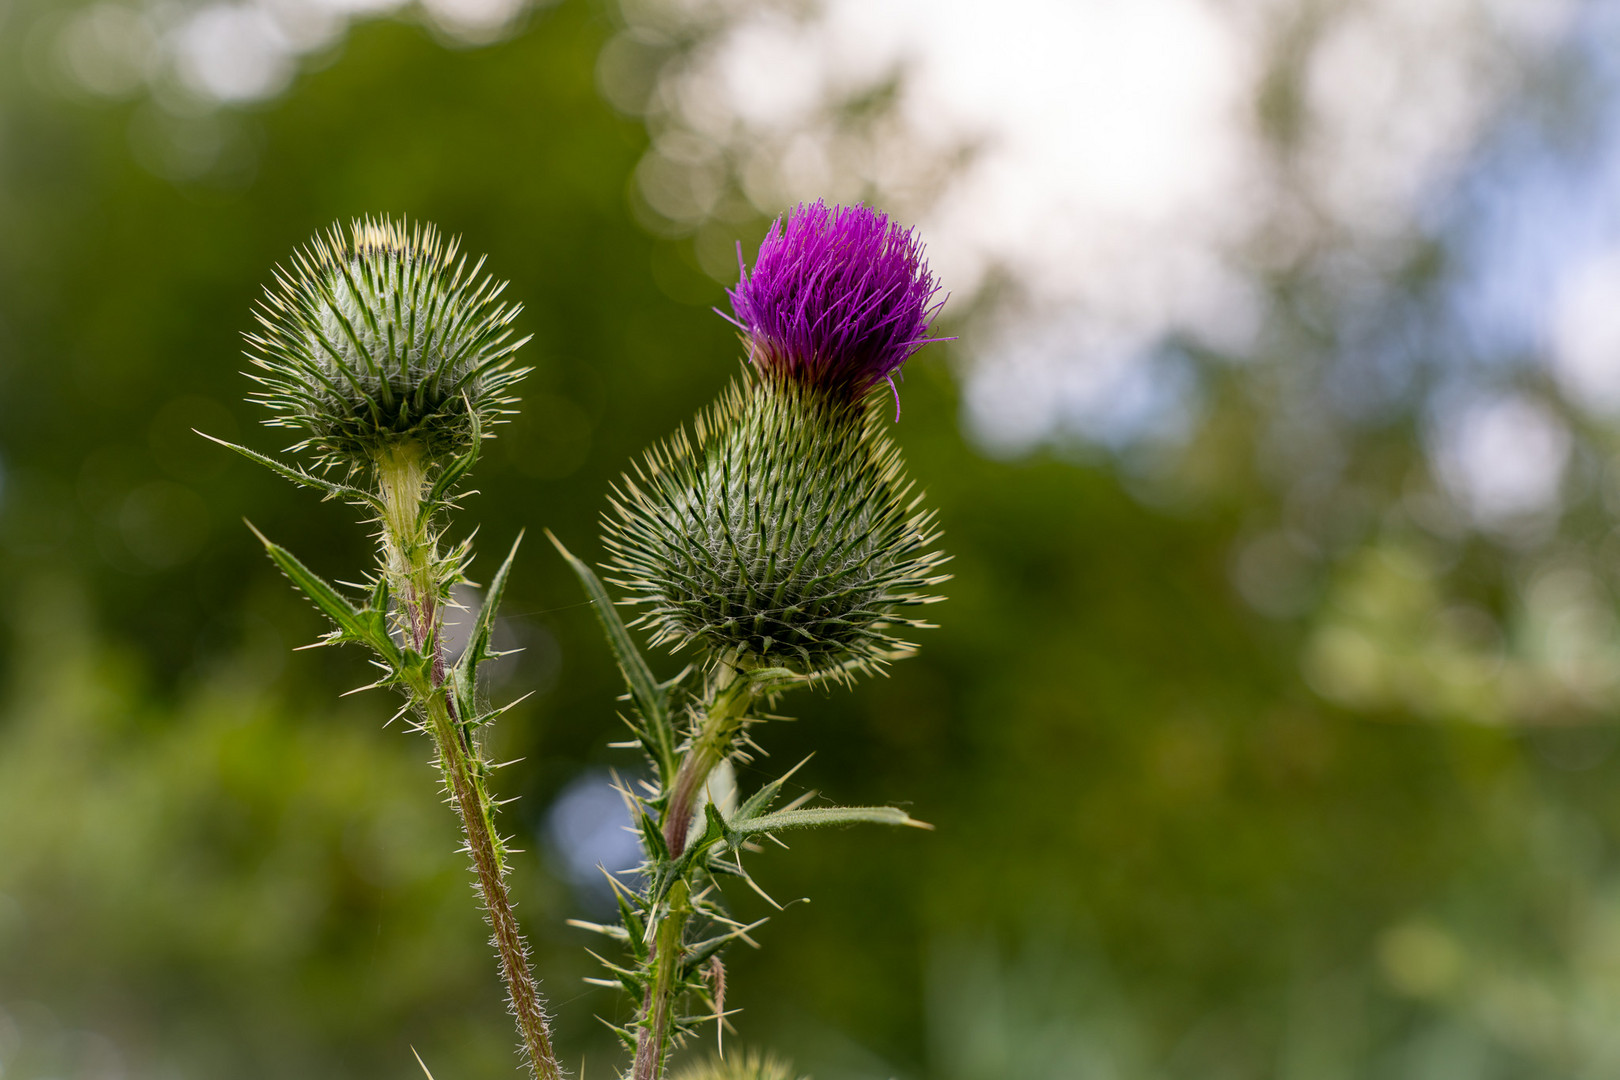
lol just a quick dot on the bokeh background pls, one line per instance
(1269, 728)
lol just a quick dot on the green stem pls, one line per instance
(653, 1040)
(411, 562)
(408, 555)
(729, 702)
(730, 696)
(472, 803)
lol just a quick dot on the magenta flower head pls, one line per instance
(838, 299)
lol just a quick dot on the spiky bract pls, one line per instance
(380, 335)
(783, 534)
(838, 299)
(749, 1066)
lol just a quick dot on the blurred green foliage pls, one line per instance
(1158, 852)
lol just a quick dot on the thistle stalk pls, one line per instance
(411, 562)
(394, 357)
(729, 703)
(652, 1039)
(729, 700)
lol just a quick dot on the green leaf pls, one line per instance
(635, 929)
(714, 831)
(761, 800)
(617, 933)
(379, 593)
(823, 816)
(699, 952)
(457, 468)
(332, 489)
(464, 676)
(365, 626)
(650, 698)
(652, 840)
(477, 650)
(462, 690)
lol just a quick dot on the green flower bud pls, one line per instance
(382, 338)
(783, 534)
(749, 1066)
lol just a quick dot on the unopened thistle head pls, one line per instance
(784, 533)
(380, 336)
(748, 1066)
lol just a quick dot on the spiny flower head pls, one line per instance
(838, 299)
(382, 335)
(749, 1066)
(785, 534)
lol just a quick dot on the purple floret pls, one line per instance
(838, 299)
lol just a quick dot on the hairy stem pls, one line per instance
(653, 1039)
(410, 559)
(730, 697)
(465, 782)
(729, 702)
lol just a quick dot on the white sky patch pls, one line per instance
(233, 53)
(474, 22)
(1071, 374)
(307, 25)
(237, 52)
(1585, 333)
(1398, 92)
(1503, 457)
(1116, 177)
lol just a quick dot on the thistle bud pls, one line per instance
(383, 338)
(748, 1066)
(784, 533)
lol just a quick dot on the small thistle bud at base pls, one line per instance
(749, 1066)
(383, 335)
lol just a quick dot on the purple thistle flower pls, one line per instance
(838, 299)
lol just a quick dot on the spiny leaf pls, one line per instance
(652, 840)
(822, 816)
(332, 489)
(761, 800)
(651, 698)
(475, 717)
(635, 928)
(364, 626)
(714, 831)
(379, 593)
(458, 467)
(477, 650)
(699, 952)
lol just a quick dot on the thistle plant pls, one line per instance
(781, 544)
(393, 356)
